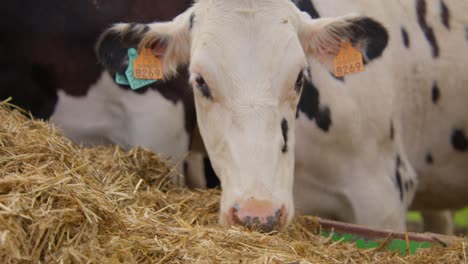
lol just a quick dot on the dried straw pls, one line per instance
(62, 203)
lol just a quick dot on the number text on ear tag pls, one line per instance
(147, 66)
(347, 61)
(135, 83)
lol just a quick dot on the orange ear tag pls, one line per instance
(147, 66)
(347, 61)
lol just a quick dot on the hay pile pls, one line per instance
(63, 203)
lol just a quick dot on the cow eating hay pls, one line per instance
(63, 203)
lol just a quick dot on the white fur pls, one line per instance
(109, 114)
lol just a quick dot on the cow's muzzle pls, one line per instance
(258, 215)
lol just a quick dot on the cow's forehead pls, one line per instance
(246, 15)
(248, 41)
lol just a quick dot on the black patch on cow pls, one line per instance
(307, 6)
(392, 130)
(371, 33)
(421, 11)
(405, 37)
(435, 93)
(112, 47)
(299, 82)
(323, 118)
(444, 14)
(192, 20)
(398, 177)
(212, 181)
(459, 140)
(309, 104)
(429, 158)
(284, 131)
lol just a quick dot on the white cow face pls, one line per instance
(247, 59)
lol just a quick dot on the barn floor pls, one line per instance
(63, 203)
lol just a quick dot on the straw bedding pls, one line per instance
(60, 202)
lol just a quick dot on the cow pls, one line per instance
(247, 61)
(48, 66)
(395, 131)
(334, 118)
(361, 157)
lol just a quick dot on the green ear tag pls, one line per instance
(121, 79)
(134, 82)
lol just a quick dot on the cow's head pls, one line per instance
(247, 61)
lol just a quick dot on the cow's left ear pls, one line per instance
(322, 38)
(169, 41)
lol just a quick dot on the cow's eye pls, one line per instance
(203, 87)
(299, 82)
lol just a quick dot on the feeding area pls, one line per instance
(63, 203)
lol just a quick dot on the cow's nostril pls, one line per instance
(259, 223)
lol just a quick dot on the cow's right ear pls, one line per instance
(322, 38)
(168, 40)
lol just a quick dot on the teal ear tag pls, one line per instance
(134, 82)
(121, 79)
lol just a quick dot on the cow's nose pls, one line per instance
(259, 215)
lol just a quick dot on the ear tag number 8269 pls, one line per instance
(136, 81)
(347, 61)
(147, 66)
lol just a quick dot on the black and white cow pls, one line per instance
(366, 142)
(246, 63)
(395, 131)
(353, 160)
(48, 66)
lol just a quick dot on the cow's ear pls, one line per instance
(322, 38)
(168, 40)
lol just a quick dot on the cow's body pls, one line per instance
(48, 65)
(109, 114)
(397, 128)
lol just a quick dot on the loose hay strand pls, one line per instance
(62, 203)
(464, 251)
